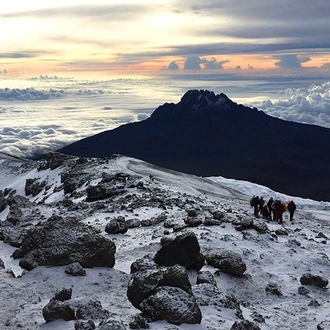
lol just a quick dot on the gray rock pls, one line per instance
(63, 294)
(75, 269)
(274, 289)
(139, 322)
(111, 324)
(56, 310)
(184, 250)
(244, 325)
(116, 226)
(227, 261)
(325, 325)
(59, 242)
(92, 310)
(311, 279)
(303, 291)
(84, 325)
(145, 263)
(206, 277)
(144, 283)
(172, 305)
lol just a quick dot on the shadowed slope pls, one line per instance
(209, 135)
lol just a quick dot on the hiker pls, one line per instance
(270, 208)
(291, 208)
(254, 202)
(265, 212)
(278, 211)
(261, 204)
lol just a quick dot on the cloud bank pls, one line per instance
(28, 94)
(30, 127)
(309, 105)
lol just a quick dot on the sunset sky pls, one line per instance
(170, 37)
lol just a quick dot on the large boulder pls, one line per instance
(183, 250)
(59, 242)
(316, 280)
(56, 310)
(144, 283)
(92, 310)
(116, 226)
(173, 305)
(227, 261)
(245, 325)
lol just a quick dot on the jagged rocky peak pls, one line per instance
(193, 102)
(202, 99)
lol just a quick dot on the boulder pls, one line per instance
(92, 310)
(138, 322)
(324, 325)
(227, 261)
(145, 263)
(245, 325)
(183, 250)
(173, 305)
(59, 242)
(316, 280)
(102, 191)
(206, 277)
(144, 283)
(56, 310)
(274, 289)
(75, 269)
(111, 324)
(84, 325)
(63, 294)
(116, 226)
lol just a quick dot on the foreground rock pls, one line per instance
(316, 280)
(59, 242)
(183, 250)
(162, 293)
(172, 305)
(227, 261)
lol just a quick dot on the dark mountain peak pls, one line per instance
(203, 99)
(209, 135)
(194, 104)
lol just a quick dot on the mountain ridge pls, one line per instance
(210, 135)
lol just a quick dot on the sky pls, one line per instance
(144, 38)
(70, 69)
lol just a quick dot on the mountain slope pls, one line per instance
(280, 255)
(210, 135)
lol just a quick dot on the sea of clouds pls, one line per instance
(44, 113)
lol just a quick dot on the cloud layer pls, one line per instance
(141, 36)
(309, 105)
(28, 94)
(36, 122)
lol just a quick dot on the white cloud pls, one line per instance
(28, 94)
(309, 105)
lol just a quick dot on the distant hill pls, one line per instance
(210, 135)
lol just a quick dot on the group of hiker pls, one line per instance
(273, 209)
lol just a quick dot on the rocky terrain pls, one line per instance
(119, 243)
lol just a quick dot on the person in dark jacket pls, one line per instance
(291, 208)
(255, 204)
(270, 208)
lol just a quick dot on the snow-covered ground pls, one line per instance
(270, 257)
